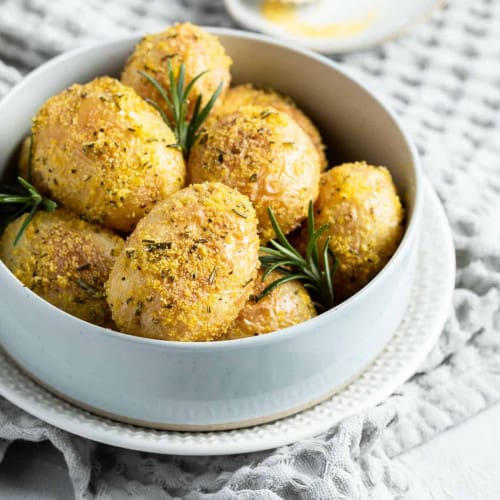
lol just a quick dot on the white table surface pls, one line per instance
(460, 464)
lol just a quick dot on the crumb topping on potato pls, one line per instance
(187, 269)
(247, 94)
(64, 260)
(264, 154)
(102, 151)
(180, 43)
(366, 222)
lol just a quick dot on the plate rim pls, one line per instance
(327, 45)
(36, 400)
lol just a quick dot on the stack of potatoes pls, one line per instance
(159, 245)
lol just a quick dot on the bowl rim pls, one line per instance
(409, 237)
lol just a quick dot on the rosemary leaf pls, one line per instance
(159, 88)
(314, 271)
(276, 284)
(26, 197)
(158, 108)
(25, 224)
(176, 98)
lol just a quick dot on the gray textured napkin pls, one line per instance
(443, 79)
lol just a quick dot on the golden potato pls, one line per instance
(264, 154)
(24, 157)
(186, 270)
(287, 305)
(181, 43)
(64, 260)
(366, 222)
(102, 151)
(247, 94)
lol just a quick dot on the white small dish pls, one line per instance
(332, 26)
(423, 321)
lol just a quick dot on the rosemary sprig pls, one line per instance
(26, 197)
(315, 270)
(177, 100)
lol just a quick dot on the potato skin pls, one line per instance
(247, 94)
(24, 157)
(103, 152)
(186, 270)
(366, 222)
(180, 43)
(264, 154)
(64, 260)
(287, 305)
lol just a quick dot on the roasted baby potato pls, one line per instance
(247, 94)
(181, 43)
(287, 305)
(264, 154)
(102, 151)
(360, 204)
(64, 260)
(187, 269)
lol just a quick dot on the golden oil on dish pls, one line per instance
(290, 17)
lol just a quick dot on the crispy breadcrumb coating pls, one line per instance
(102, 151)
(188, 268)
(264, 154)
(180, 43)
(64, 260)
(247, 94)
(366, 222)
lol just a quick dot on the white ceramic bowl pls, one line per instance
(201, 386)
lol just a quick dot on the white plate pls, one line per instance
(421, 326)
(332, 26)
